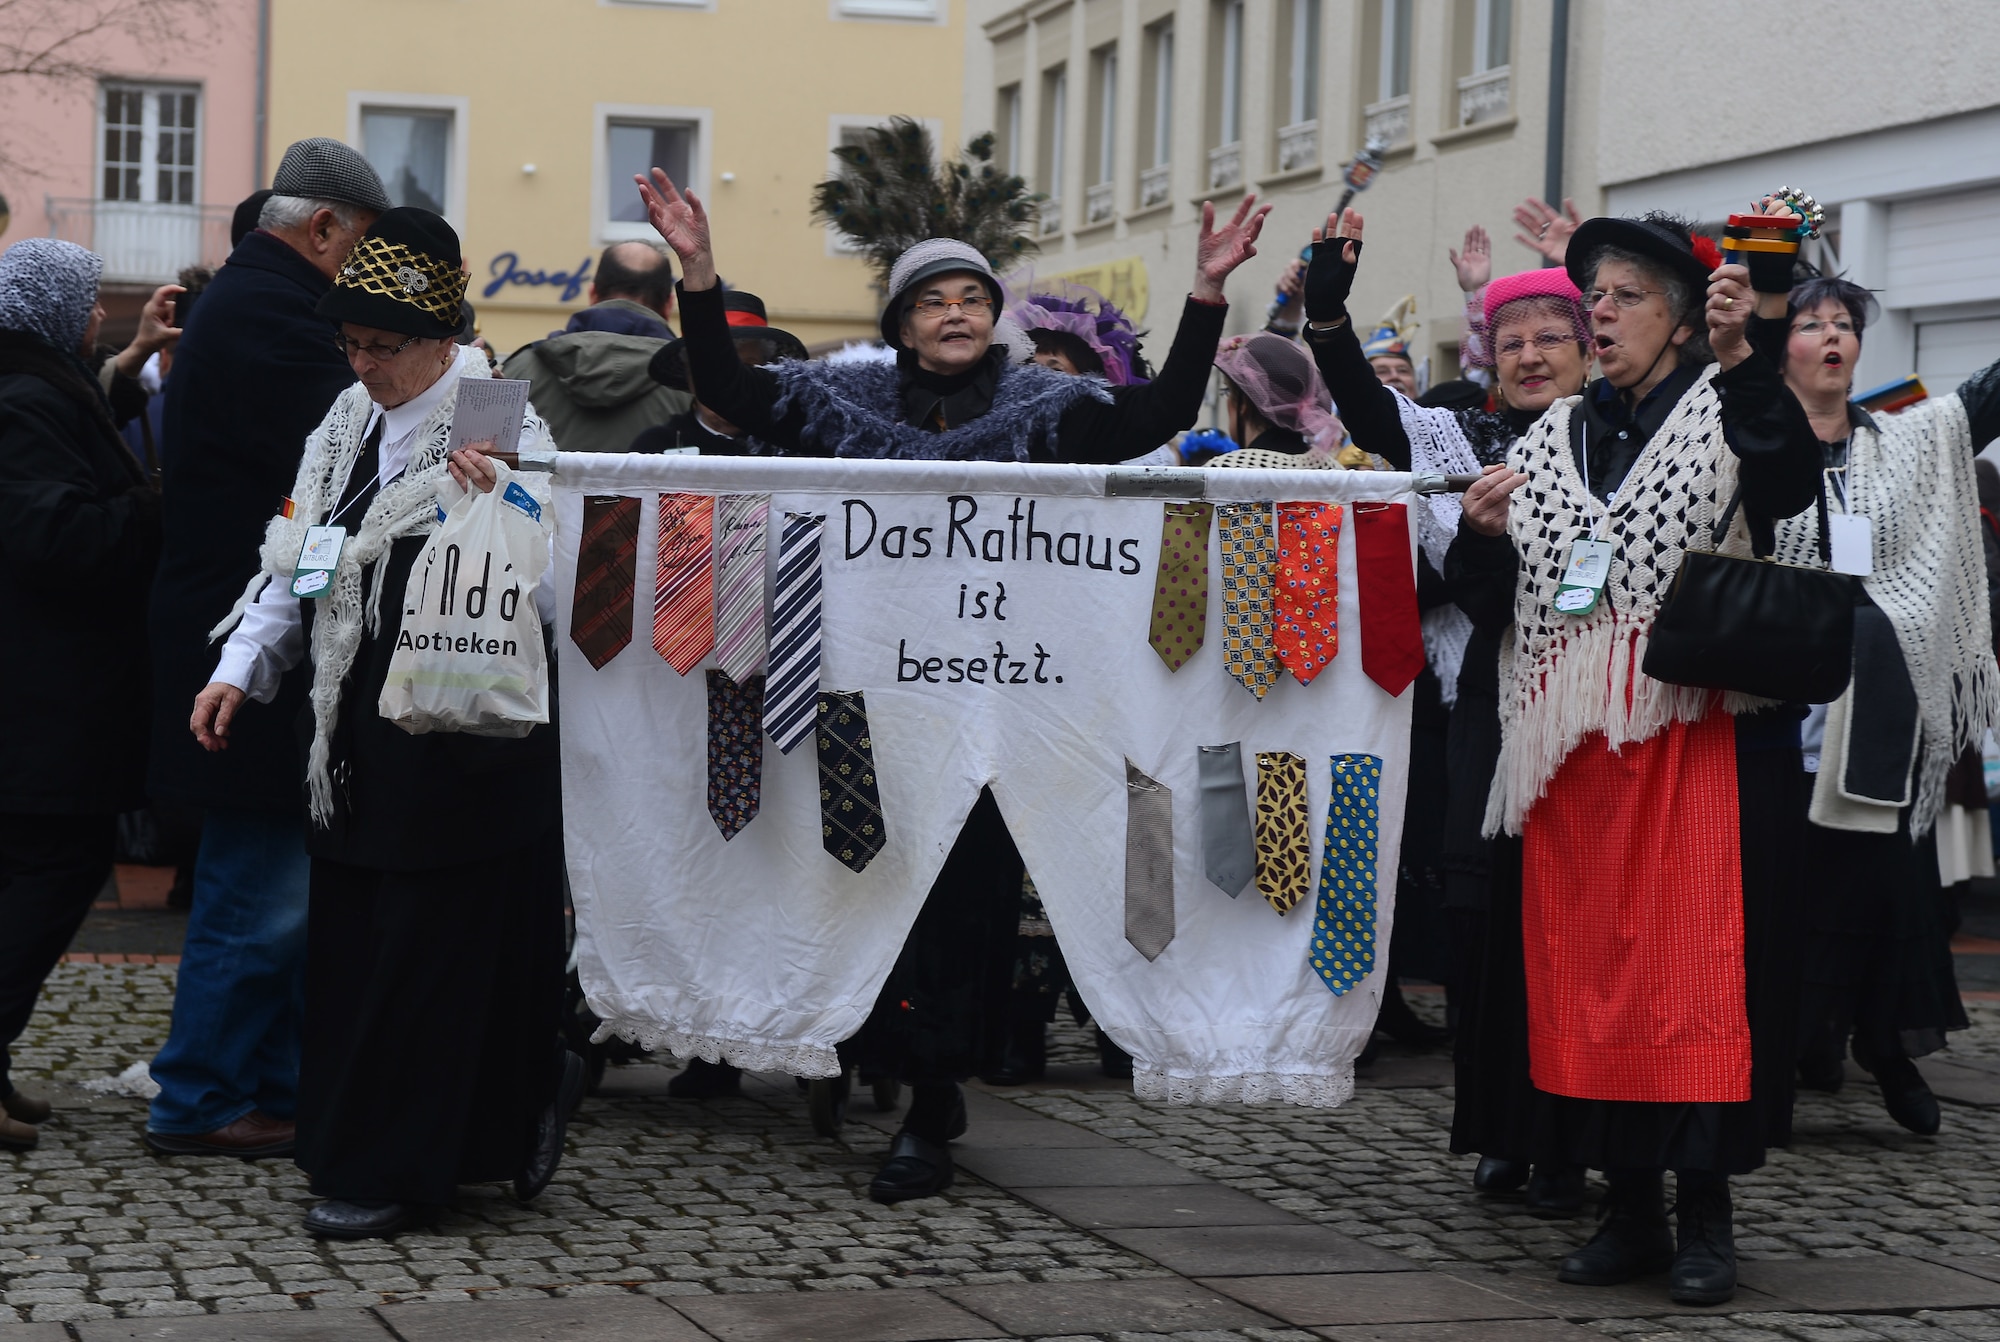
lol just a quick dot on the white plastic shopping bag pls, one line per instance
(469, 656)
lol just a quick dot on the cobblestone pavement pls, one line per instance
(673, 1199)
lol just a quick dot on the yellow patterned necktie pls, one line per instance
(1249, 553)
(1284, 853)
(1343, 941)
(1180, 592)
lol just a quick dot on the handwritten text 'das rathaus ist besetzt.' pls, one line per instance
(994, 538)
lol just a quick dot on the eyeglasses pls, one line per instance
(1623, 297)
(975, 306)
(1813, 328)
(1511, 347)
(379, 353)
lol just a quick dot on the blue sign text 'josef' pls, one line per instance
(506, 269)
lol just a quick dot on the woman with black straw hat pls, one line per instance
(953, 394)
(434, 936)
(1651, 830)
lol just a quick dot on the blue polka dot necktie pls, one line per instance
(1343, 942)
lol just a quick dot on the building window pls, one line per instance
(1007, 130)
(1386, 116)
(1225, 158)
(634, 148)
(1158, 98)
(1298, 125)
(150, 139)
(1485, 91)
(1100, 198)
(1054, 144)
(926, 10)
(411, 151)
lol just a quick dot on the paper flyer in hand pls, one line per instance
(489, 411)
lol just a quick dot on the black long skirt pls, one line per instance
(943, 1012)
(1501, 1113)
(433, 1001)
(1877, 954)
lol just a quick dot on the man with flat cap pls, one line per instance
(255, 370)
(434, 960)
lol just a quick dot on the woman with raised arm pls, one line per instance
(1650, 832)
(953, 394)
(1877, 945)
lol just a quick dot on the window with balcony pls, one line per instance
(1298, 112)
(1157, 97)
(1100, 200)
(1053, 159)
(1225, 155)
(1486, 36)
(1386, 116)
(146, 218)
(150, 138)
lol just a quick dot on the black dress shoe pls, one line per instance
(1495, 1175)
(1632, 1241)
(1904, 1094)
(701, 1080)
(1555, 1191)
(915, 1169)
(335, 1219)
(551, 1131)
(1704, 1271)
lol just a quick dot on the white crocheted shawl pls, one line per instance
(1438, 446)
(1912, 477)
(1571, 676)
(407, 506)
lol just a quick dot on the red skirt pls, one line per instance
(1632, 922)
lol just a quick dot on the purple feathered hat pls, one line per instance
(1059, 305)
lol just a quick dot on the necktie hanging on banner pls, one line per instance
(741, 523)
(735, 751)
(1284, 849)
(1149, 863)
(1228, 848)
(1392, 633)
(607, 559)
(850, 802)
(1343, 941)
(684, 585)
(1249, 556)
(1180, 589)
(1305, 592)
(791, 691)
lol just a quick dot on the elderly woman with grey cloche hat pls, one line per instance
(954, 393)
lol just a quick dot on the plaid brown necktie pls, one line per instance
(607, 558)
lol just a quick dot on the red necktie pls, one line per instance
(1304, 595)
(1392, 637)
(684, 595)
(600, 616)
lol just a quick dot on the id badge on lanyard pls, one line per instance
(1589, 564)
(312, 575)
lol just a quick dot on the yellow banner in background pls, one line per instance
(1122, 281)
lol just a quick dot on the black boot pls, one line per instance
(1631, 1239)
(1704, 1271)
(1904, 1092)
(1495, 1175)
(1023, 1059)
(1555, 1191)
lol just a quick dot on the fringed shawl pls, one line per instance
(852, 408)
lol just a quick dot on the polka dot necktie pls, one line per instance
(1307, 588)
(1343, 940)
(1180, 592)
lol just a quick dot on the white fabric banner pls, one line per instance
(765, 951)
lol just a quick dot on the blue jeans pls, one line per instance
(234, 1044)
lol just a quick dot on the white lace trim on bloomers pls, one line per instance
(1314, 1090)
(809, 1060)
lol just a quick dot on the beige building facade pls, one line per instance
(1130, 113)
(522, 122)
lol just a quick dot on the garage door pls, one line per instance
(1948, 352)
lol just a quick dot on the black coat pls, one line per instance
(253, 375)
(79, 534)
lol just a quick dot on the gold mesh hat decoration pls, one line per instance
(404, 275)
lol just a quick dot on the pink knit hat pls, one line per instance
(1548, 282)
(1547, 292)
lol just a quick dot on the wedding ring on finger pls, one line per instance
(1728, 302)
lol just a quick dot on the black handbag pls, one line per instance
(1758, 626)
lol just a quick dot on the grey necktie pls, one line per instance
(1228, 849)
(1149, 863)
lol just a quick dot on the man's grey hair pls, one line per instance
(1683, 301)
(284, 212)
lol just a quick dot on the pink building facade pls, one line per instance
(144, 163)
